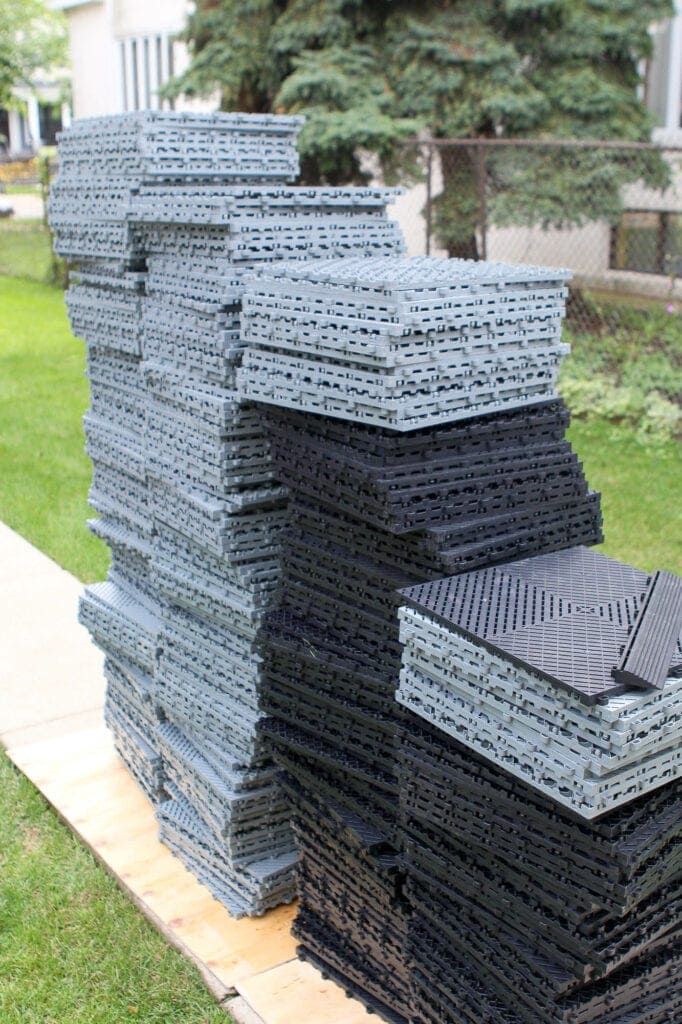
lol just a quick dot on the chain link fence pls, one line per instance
(608, 211)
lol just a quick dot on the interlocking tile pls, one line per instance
(565, 615)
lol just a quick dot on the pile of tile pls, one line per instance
(404, 344)
(88, 210)
(544, 635)
(371, 510)
(501, 845)
(218, 508)
(352, 919)
(105, 162)
(541, 793)
(175, 208)
(124, 622)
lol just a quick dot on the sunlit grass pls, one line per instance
(25, 249)
(73, 948)
(43, 395)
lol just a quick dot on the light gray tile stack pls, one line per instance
(125, 624)
(183, 481)
(89, 206)
(104, 163)
(402, 343)
(218, 509)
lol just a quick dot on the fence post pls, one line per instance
(482, 204)
(59, 273)
(429, 198)
(44, 178)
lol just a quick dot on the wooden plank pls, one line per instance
(86, 783)
(88, 786)
(295, 991)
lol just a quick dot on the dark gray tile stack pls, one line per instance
(162, 215)
(541, 796)
(377, 501)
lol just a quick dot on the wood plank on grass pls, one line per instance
(83, 779)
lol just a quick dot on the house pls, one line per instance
(123, 52)
(35, 120)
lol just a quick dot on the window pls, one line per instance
(50, 120)
(658, 71)
(146, 64)
(159, 63)
(124, 75)
(4, 130)
(171, 65)
(147, 75)
(648, 241)
(136, 84)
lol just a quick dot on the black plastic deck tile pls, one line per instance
(652, 642)
(566, 616)
(523, 912)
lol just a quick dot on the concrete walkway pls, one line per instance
(51, 678)
(26, 206)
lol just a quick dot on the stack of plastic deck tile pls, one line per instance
(207, 450)
(218, 510)
(218, 514)
(88, 210)
(541, 793)
(403, 343)
(192, 201)
(371, 512)
(372, 508)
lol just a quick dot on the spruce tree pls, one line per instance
(369, 75)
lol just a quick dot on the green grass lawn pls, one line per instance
(641, 491)
(25, 249)
(43, 395)
(73, 948)
(22, 189)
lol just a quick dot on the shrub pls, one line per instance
(630, 375)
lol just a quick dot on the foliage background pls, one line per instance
(32, 38)
(369, 75)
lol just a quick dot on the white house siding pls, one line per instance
(93, 61)
(584, 250)
(122, 51)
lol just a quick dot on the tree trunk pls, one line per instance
(456, 211)
(466, 249)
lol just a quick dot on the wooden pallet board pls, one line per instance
(84, 780)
